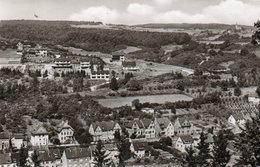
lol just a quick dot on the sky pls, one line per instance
(134, 11)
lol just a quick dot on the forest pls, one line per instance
(104, 40)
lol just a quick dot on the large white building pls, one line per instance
(40, 137)
(66, 133)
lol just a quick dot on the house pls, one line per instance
(130, 66)
(6, 160)
(148, 110)
(62, 64)
(139, 148)
(42, 52)
(17, 140)
(49, 158)
(40, 137)
(100, 75)
(4, 140)
(163, 127)
(118, 56)
(135, 127)
(149, 128)
(183, 142)
(76, 156)
(236, 119)
(183, 126)
(104, 130)
(65, 133)
(85, 64)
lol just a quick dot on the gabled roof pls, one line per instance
(105, 126)
(140, 145)
(131, 123)
(5, 159)
(18, 136)
(40, 131)
(163, 122)
(186, 139)
(64, 125)
(146, 122)
(238, 116)
(49, 155)
(77, 152)
(118, 53)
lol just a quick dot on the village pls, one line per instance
(75, 106)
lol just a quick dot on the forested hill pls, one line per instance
(104, 40)
(191, 26)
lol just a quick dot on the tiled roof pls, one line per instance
(118, 53)
(40, 131)
(140, 145)
(50, 155)
(5, 159)
(77, 152)
(62, 59)
(186, 139)
(131, 123)
(64, 125)
(146, 122)
(18, 136)
(238, 116)
(4, 135)
(163, 122)
(105, 126)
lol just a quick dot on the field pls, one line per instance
(122, 101)
(9, 56)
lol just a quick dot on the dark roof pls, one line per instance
(129, 64)
(18, 136)
(238, 116)
(186, 139)
(105, 126)
(62, 59)
(40, 131)
(146, 122)
(5, 159)
(131, 123)
(140, 145)
(4, 135)
(163, 122)
(50, 155)
(118, 53)
(77, 152)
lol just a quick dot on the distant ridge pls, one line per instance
(191, 25)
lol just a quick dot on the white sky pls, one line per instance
(135, 11)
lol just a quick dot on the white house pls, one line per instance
(149, 128)
(4, 140)
(236, 119)
(139, 148)
(183, 126)
(40, 137)
(76, 157)
(181, 143)
(17, 140)
(130, 66)
(104, 130)
(163, 127)
(148, 110)
(100, 75)
(66, 133)
(135, 127)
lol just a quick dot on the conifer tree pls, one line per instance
(23, 156)
(249, 143)
(124, 148)
(100, 156)
(203, 154)
(221, 156)
(190, 157)
(113, 84)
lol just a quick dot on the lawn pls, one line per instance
(122, 101)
